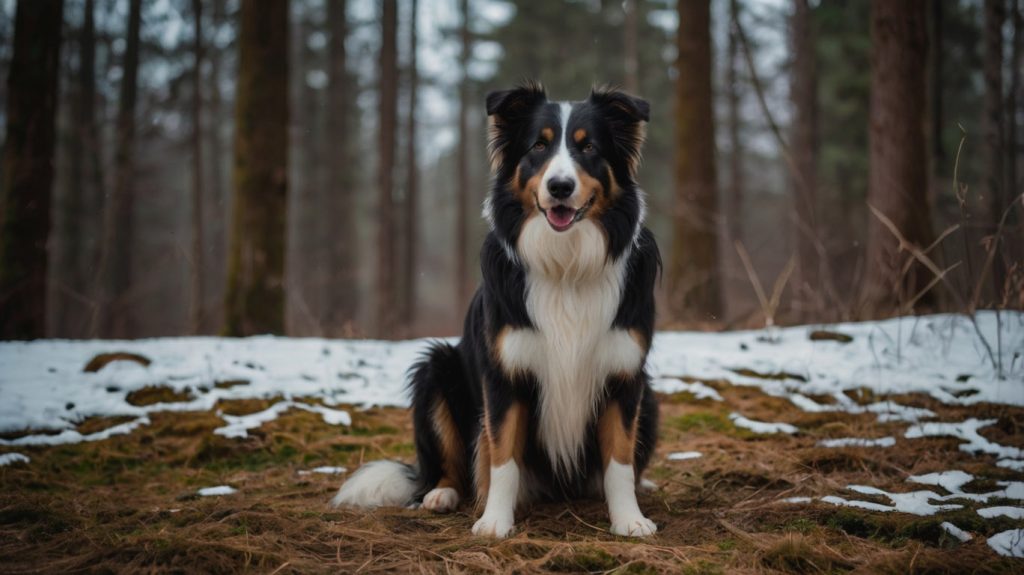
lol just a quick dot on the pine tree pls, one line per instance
(804, 95)
(198, 270)
(32, 88)
(386, 268)
(694, 283)
(898, 176)
(255, 289)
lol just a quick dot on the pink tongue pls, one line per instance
(561, 217)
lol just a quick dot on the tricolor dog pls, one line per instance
(546, 396)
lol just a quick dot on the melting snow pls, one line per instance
(858, 442)
(914, 502)
(326, 470)
(9, 458)
(684, 455)
(1011, 512)
(239, 425)
(955, 531)
(698, 389)
(1014, 464)
(218, 490)
(760, 426)
(1009, 543)
(967, 431)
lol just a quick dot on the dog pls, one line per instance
(546, 395)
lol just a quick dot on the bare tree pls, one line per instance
(997, 192)
(804, 95)
(255, 290)
(462, 195)
(631, 55)
(898, 179)
(411, 181)
(735, 198)
(694, 282)
(32, 92)
(343, 289)
(198, 270)
(386, 302)
(115, 271)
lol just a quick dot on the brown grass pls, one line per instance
(129, 504)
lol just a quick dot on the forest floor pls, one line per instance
(130, 503)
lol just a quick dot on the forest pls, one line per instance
(317, 168)
(229, 228)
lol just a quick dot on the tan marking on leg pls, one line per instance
(579, 135)
(482, 476)
(453, 464)
(511, 437)
(615, 440)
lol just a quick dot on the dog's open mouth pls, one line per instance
(562, 217)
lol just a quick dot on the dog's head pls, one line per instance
(565, 161)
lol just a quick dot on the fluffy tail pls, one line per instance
(379, 484)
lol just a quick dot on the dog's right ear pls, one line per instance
(505, 109)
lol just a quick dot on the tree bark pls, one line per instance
(735, 202)
(118, 228)
(935, 75)
(342, 282)
(32, 93)
(694, 283)
(198, 269)
(411, 181)
(997, 192)
(631, 55)
(1016, 253)
(804, 95)
(255, 289)
(386, 302)
(898, 177)
(462, 161)
(218, 198)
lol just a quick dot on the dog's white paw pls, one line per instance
(634, 527)
(490, 526)
(441, 500)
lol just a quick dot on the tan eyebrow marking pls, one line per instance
(579, 134)
(548, 134)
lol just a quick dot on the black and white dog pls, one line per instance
(546, 395)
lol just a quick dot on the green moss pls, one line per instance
(703, 421)
(702, 567)
(586, 559)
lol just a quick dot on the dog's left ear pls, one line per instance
(627, 118)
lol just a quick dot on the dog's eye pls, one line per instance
(588, 148)
(540, 145)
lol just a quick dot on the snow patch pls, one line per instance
(760, 426)
(1002, 511)
(966, 431)
(858, 442)
(326, 470)
(9, 458)
(797, 500)
(1008, 543)
(914, 502)
(955, 531)
(684, 455)
(239, 425)
(215, 491)
(698, 389)
(1014, 464)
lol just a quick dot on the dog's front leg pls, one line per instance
(505, 430)
(617, 438)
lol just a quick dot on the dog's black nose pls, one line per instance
(561, 188)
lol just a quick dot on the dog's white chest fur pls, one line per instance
(572, 295)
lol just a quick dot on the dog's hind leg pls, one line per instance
(443, 421)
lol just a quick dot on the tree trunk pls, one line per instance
(935, 67)
(255, 290)
(218, 197)
(29, 151)
(342, 266)
(411, 182)
(115, 263)
(694, 283)
(83, 222)
(1016, 251)
(995, 17)
(898, 177)
(804, 96)
(735, 202)
(386, 302)
(198, 269)
(462, 285)
(631, 59)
